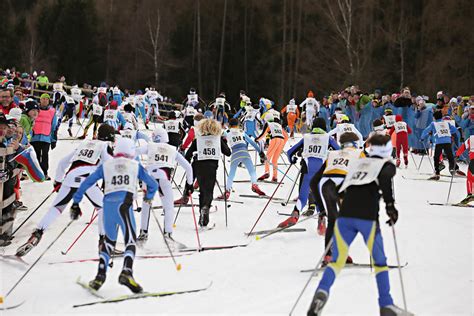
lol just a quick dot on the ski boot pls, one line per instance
(460, 173)
(322, 224)
(257, 190)
(435, 177)
(310, 210)
(319, 300)
(69, 132)
(290, 221)
(393, 310)
(275, 179)
(82, 136)
(398, 163)
(264, 177)
(406, 162)
(469, 198)
(126, 278)
(349, 260)
(442, 166)
(175, 245)
(32, 242)
(97, 283)
(182, 201)
(142, 237)
(224, 196)
(204, 216)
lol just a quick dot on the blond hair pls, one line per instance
(209, 127)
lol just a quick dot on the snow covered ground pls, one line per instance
(264, 277)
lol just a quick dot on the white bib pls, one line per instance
(193, 98)
(363, 171)
(316, 146)
(97, 109)
(235, 137)
(208, 147)
(275, 130)
(76, 94)
(89, 152)
(172, 126)
(400, 127)
(129, 133)
(190, 111)
(291, 108)
(110, 115)
(220, 102)
(442, 129)
(161, 155)
(389, 120)
(344, 128)
(341, 159)
(120, 174)
(310, 104)
(129, 117)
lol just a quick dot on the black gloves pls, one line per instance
(392, 213)
(294, 160)
(188, 189)
(57, 185)
(262, 157)
(53, 145)
(75, 211)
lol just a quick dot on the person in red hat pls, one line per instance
(402, 130)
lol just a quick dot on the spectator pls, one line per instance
(18, 96)
(42, 81)
(28, 117)
(6, 99)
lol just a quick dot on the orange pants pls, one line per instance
(273, 153)
(291, 118)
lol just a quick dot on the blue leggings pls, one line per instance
(250, 128)
(236, 158)
(313, 165)
(345, 231)
(119, 214)
(140, 111)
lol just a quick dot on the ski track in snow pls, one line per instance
(264, 277)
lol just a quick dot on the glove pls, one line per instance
(75, 211)
(57, 185)
(392, 213)
(262, 157)
(53, 145)
(294, 160)
(147, 201)
(188, 189)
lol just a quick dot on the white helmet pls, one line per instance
(160, 135)
(125, 147)
(15, 113)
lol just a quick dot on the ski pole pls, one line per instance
(315, 271)
(279, 170)
(399, 268)
(450, 185)
(269, 200)
(414, 161)
(177, 265)
(34, 211)
(82, 232)
(291, 192)
(225, 191)
(195, 224)
(39, 258)
(428, 157)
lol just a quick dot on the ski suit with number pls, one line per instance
(468, 145)
(402, 130)
(278, 139)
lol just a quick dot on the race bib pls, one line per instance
(97, 109)
(209, 147)
(276, 130)
(161, 155)
(389, 120)
(110, 115)
(58, 86)
(346, 128)
(338, 160)
(310, 104)
(89, 152)
(316, 146)
(363, 171)
(76, 94)
(235, 137)
(291, 108)
(220, 101)
(120, 174)
(172, 126)
(129, 133)
(400, 127)
(193, 98)
(442, 129)
(190, 111)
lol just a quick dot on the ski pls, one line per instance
(229, 201)
(150, 256)
(427, 179)
(268, 231)
(5, 308)
(88, 288)
(261, 197)
(14, 258)
(207, 228)
(450, 204)
(357, 265)
(209, 248)
(159, 207)
(142, 295)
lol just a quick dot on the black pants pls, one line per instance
(42, 152)
(448, 152)
(330, 198)
(206, 177)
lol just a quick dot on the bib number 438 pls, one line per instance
(120, 179)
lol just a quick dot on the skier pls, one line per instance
(250, 117)
(69, 113)
(345, 127)
(113, 117)
(315, 150)
(402, 130)
(120, 175)
(466, 145)
(70, 173)
(335, 170)
(208, 145)
(129, 132)
(140, 108)
(292, 114)
(238, 142)
(220, 107)
(311, 108)
(175, 130)
(442, 131)
(95, 112)
(359, 214)
(129, 114)
(162, 159)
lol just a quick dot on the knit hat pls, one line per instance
(45, 96)
(15, 114)
(31, 104)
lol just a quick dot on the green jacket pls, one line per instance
(27, 123)
(42, 79)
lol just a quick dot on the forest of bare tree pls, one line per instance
(275, 48)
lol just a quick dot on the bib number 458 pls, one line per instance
(209, 151)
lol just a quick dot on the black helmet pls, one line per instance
(319, 122)
(106, 133)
